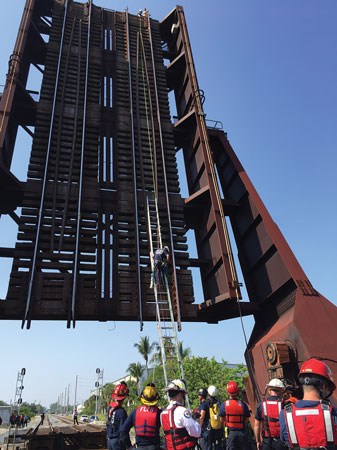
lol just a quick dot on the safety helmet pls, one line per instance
(167, 249)
(314, 367)
(149, 396)
(275, 383)
(120, 392)
(177, 385)
(202, 392)
(212, 390)
(232, 388)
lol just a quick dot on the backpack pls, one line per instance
(214, 417)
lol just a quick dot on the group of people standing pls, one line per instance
(18, 420)
(310, 423)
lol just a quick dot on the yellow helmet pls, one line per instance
(149, 396)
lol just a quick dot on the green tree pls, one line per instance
(145, 349)
(106, 395)
(90, 405)
(136, 371)
(184, 352)
(203, 372)
(2, 403)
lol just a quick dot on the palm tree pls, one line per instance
(184, 352)
(156, 356)
(136, 371)
(145, 348)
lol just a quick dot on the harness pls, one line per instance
(310, 425)
(271, 411)
(176, 438)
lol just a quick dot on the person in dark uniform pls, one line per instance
(116, 417)
(146, 421)
(311, 422)
(267, 427)
(42, 418)
(161, 258)
(203, 409)
(235, 414)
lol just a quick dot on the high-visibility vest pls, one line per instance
(270, 412)
(310, 427)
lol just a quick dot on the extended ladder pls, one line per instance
(168, 341)
(169, 348)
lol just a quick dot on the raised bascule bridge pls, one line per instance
(102, 193)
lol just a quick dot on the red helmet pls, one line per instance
(316, 367)
(232, 388)
(120, 392)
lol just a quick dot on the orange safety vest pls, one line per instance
(234, 417)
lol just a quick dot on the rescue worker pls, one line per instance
(161, 258)
(311, 422)
(180, 429)
(215, 433)
(288, 395)
(203, 409)
(266, 426)
(116, 417)
(146, 420)
(235, 414)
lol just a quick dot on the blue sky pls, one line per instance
(268, 69)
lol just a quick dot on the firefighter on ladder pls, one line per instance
(161, 258)
(180, 429)
(311, 422)
(266, 426)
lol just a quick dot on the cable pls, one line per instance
(249, 361)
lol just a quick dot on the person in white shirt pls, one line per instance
(180, 429)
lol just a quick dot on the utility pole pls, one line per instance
(68, 399)
(101, 391)
(75, 399)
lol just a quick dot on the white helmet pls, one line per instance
(276, 384)
(176, 385)
(212, 391)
